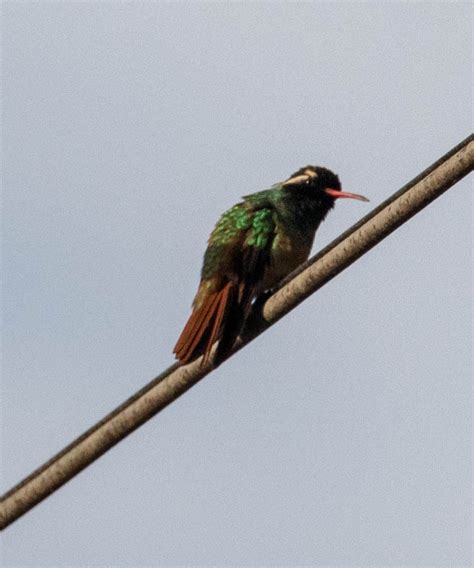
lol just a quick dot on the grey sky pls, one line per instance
(342, 437)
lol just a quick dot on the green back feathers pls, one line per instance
(243, 225)
(262, 229)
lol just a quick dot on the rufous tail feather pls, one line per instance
(219, 319)
(205, 323)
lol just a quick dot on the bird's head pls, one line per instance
(320, 183)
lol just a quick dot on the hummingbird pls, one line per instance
(254, 245)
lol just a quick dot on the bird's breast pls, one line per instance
(288, 252)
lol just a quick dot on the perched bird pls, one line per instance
(254, 245)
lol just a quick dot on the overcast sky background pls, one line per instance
(342, 437)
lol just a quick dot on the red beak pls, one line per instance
(337, 194)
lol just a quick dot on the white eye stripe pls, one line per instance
(303, 178)
(311, 173)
